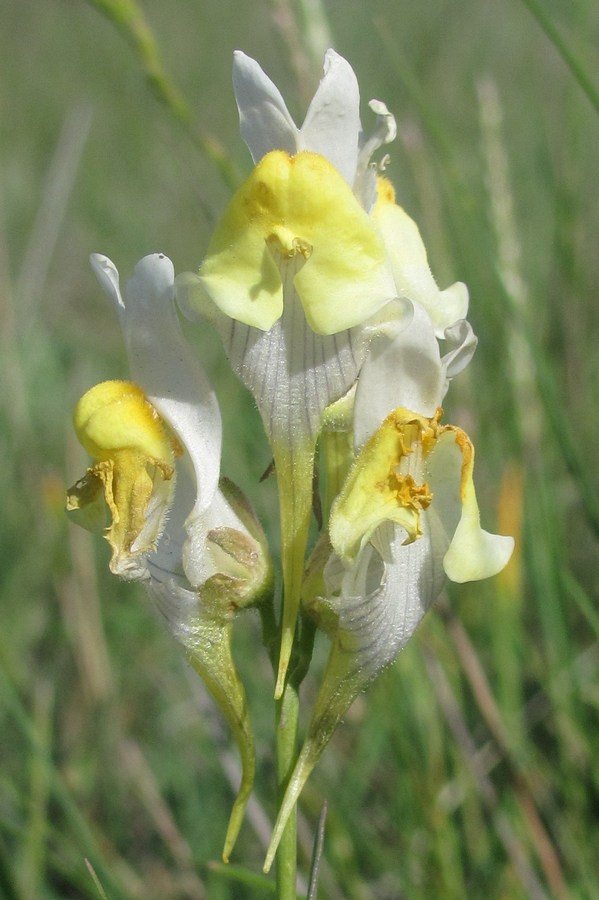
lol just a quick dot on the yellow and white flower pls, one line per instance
(155, 490)
(405, 521)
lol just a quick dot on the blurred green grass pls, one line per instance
(470, 768)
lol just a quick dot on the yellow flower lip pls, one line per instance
(409, 463)
(116, 415)
(132, 478)
(297, 207)
(380, 486)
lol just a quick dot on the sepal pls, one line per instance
(201, 618)
(199, 622)
(241, 555)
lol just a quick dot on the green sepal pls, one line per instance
(211, 657)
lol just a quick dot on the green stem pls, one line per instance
(129, 18)
(295, 468)
(287, 715)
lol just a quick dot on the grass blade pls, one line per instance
(569, 57)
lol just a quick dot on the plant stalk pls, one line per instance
(286, 721)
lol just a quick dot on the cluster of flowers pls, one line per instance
(319, 285)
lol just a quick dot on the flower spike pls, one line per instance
(300, 269)
(319, 285)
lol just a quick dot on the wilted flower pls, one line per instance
(156, 491)
(129, 489)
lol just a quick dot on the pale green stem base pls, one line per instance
(287, 714)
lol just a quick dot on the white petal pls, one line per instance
(402, 368)
(461, 342)
(166, 562)
(179, 607)
(366, 174)
(474, 553)
(457, 299)
(332, 124)
(413, 581)
(201, 557)
(264, 119)
(108, 276)
(163, 365)
(386, 127)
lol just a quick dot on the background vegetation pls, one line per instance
(470, 768)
